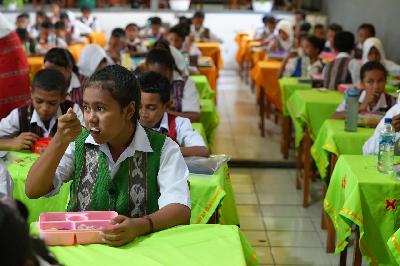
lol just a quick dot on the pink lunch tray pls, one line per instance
(65, 228)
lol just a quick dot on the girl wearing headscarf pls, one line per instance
(14, 69)
(92, 58)
(284, 36)
(373, 51)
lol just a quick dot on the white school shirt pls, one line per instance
(91, 22)
(372, 144)
(308, 70)
(6, 183)
(172, 176)
(262, 33)
(191, 98)
(74, 83)
(186, 136)
(10, 127)
(380, 104)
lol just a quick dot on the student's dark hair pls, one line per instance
(162, 57)
(335, 27)
(64, 15)
(132, 25)
(15, 245)
(47, 25)
(369, 27)
(22, 34)
(155, 21)
(153, 82)
(199, 14)
(61, 57)
(55, 2)
(179, 30)
(344, 41)
(302, 13)
(318, 43)
(49, 80)
(41, 13)
(268, 19)
(85, 9)
(59, 25)
(23, 15)
(318, 26)
(305, 27)
(118, 33)
(182, 20)
(372, 65)
(120, 82)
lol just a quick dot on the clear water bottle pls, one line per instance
(352, 107)
(52, 40)
(386, 148)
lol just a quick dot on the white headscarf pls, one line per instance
(179, 60)
(5, 26)
(287, 27)
(367, 46)
(90, 58)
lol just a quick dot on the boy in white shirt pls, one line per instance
(89, 19)
(25, 125)
(155, 103)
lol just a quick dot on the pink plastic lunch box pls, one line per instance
(73, 228)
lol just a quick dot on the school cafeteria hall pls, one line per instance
(199, 132)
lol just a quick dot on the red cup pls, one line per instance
(41, 144)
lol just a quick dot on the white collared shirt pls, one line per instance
(172, 176)
(74, 83)
(10, 127)
(308, 69)
(371, 146)
(380, 104)
(186, 136)
(191, 98)
(342, 55)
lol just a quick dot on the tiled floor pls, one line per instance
(281, 231)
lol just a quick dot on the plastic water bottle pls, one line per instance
(386, 147)
(52, 40)
(352, 107)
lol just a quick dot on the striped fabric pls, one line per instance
(337, 72)
(14, 74)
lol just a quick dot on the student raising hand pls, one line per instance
(69, 127)
(24, 141)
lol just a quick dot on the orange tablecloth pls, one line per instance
(213, 50)
(257, 56)
(76, 50)
(99, 38)
(265, 77)
(35, 64)
(211, 73)
(242, 43)
(248, 50)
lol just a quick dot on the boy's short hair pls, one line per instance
(132, 25)
(179, 30)
(344, 41)
(49, 80)
(335, 27)
(372, 65)
(318, 43)
(86, 9)
(301, 13)
(41, 13)
(305, 27)
(59, 25)
(22, 34)
(64, 15)
(369, 27)
(118, 33)
(153, 82)
(318, 26)
(199, 14)
(268, 19)
(47, 25)
(23, 15)
(162, 57)
(155, 21)
(59, 57)
(121, 83)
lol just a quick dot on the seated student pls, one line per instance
(309, 64)
(337, 72)
(134, 44)
(155, 104)
(138, 173)
(373, 51)
(330, 36)
(62, 60)
(373, 97)
(93, 57)
(23, 22)
(63, 39)
(319, 31)
(6, 182)
(180, 62)
(267, 29)
(186, 101)
(154, 29)
(39, 19)
(177, 37)
(73, 31)
(38, 118)
(89, 19)
(46, 39)
(364, 31)
(27, 43)
(200, 33)
(116, 45)
(299, 20)
(283, 37)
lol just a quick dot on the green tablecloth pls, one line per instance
(203, 87)
(200, 129)
(311, 108)
(394, 246)
(287, 86)
(209, 118)
(207, 192)
(359, 194)
(332, 138)
(182, 245)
